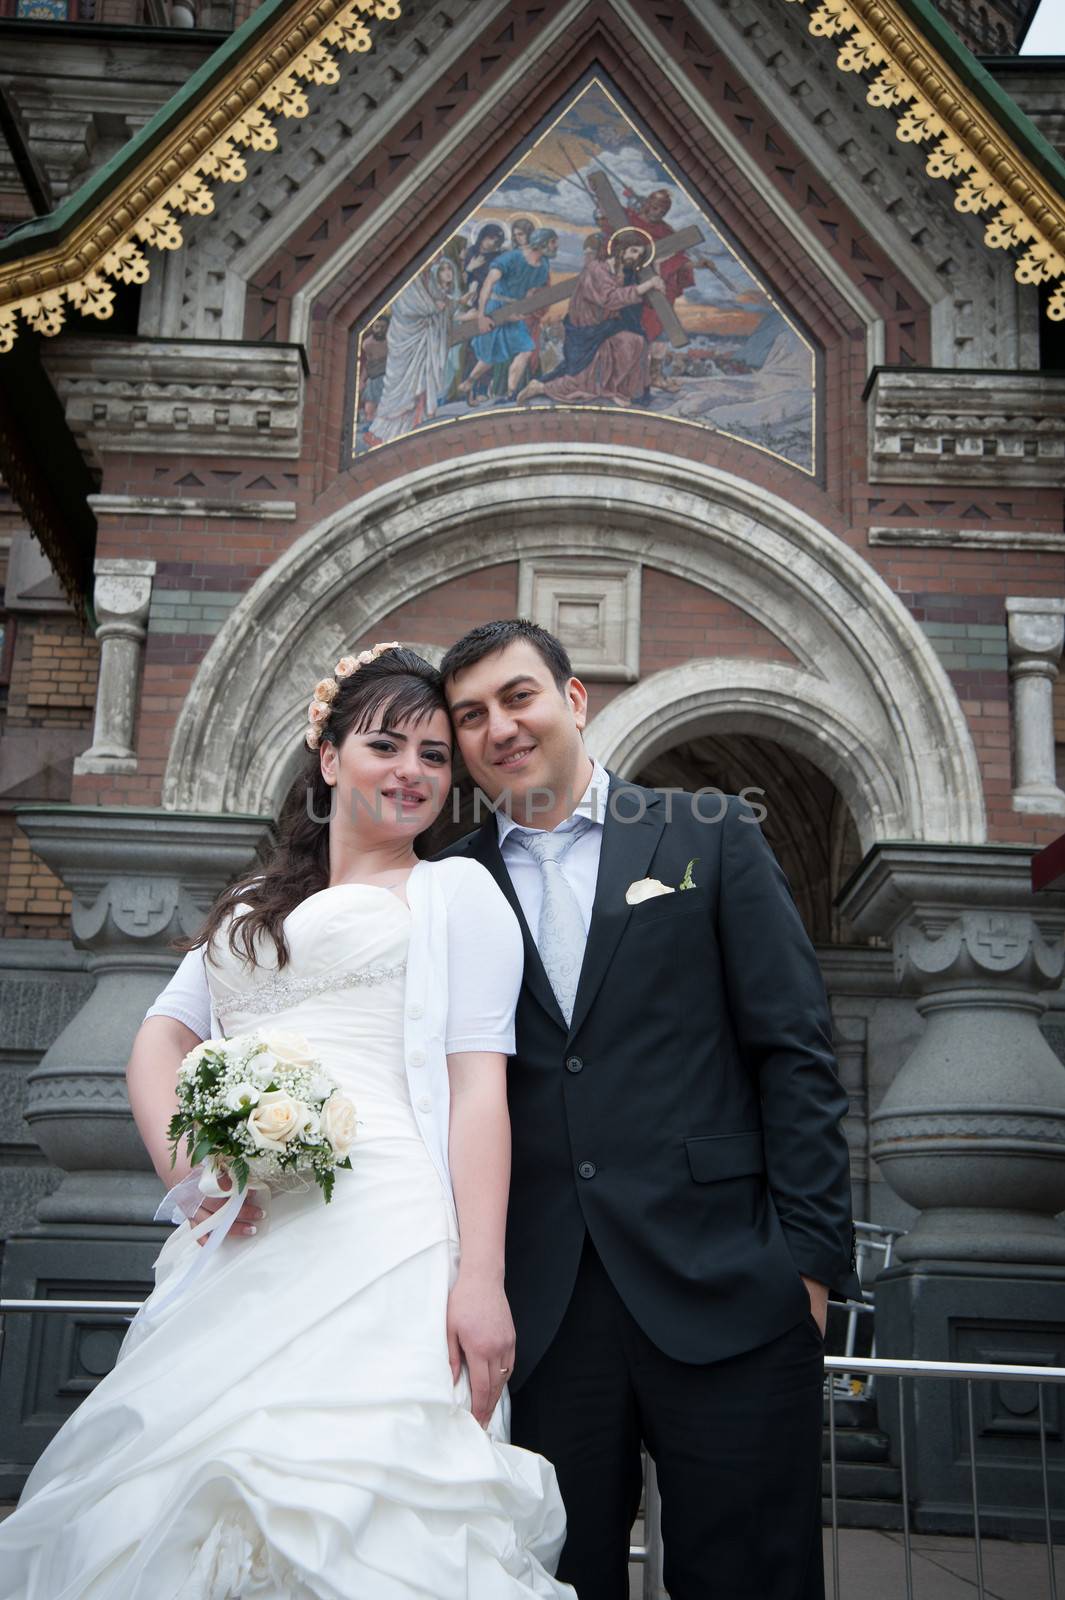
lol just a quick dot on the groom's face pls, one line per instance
(516, 729)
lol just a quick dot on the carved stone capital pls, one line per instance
(122, 595)
(1036, 630)
(976, 947)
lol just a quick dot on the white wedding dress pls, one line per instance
(289, 1430)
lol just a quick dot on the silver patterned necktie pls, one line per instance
(561, 936)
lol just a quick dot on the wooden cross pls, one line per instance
(617, 218)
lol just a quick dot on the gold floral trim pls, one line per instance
(966, 145)
(207, 147)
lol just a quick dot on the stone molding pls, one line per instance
(983, 428)
(969, 538)
(593, 607)
(179, 397)
(238, 735)
(146, 505)
(74, 117)
(1008, 1125)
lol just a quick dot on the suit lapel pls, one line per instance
(484, 847)
(629, 843)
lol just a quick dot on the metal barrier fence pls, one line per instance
(649, 1554)
(874, 1252)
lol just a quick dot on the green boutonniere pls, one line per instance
(688, 882)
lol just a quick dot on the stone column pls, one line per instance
(850, 1036)
(139, 881)
(1036, 636)
(971, 1133)
(121, 597)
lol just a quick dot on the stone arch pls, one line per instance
(868, 693)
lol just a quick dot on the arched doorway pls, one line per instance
(866, 701)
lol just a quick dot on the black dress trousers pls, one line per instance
(736, 1443)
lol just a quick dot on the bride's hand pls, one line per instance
(480, 1331)
(246, 1218)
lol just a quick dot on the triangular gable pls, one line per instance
(715, 348)
(919, 69)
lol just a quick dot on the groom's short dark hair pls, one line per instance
(491, 637)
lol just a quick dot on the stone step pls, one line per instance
(884, 1514)
(852, 1412)
(862, 1480)
(857, 1444)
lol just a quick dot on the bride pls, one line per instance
(301, 1416)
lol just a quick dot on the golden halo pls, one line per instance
(631, 228)
(526, 216)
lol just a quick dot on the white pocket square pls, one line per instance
(645, 889)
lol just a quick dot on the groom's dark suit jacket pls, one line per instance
(689, 1118)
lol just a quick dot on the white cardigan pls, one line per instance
(464, 967)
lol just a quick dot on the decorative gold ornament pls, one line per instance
(175, 178)
(967, 146)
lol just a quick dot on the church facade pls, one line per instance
(316, 338)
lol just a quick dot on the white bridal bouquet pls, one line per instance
(259, 1106)
(259, 1109)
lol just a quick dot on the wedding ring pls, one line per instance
(504, 1370)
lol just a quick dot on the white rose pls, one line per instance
(242, 1096)
(276, 1120)
(196, 1055)
(320, 1088)
(645, 889)
(339, 1124)
(291, 1049)
(262, 1067)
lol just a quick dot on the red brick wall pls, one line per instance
(53, 685)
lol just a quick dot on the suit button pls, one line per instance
(574, 1064)
(416, 1058)
(424, 1103)
(587, 1169)
(416, 1011)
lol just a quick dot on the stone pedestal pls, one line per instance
(139, 881)
(945, 1311)
(972, 1134)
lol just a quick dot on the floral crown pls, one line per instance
(326, 691)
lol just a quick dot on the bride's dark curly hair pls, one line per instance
(399, 686)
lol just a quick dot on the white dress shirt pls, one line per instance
(580, 864)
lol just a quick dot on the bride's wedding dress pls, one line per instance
(289, 1429)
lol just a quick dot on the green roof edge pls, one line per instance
(1006, 112)
(48, 230)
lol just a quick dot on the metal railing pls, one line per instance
(874, 1252)
(649, 1554)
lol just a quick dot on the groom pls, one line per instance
(680, 1201)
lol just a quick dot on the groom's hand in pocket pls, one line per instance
(480, 1331)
